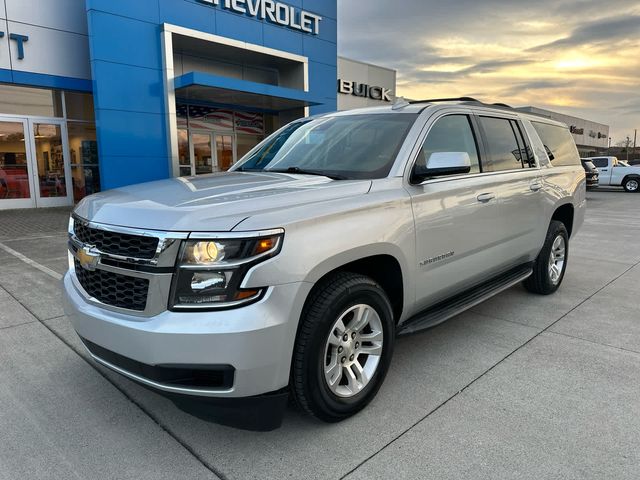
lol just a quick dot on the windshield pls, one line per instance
(342, 147)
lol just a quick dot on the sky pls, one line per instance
(578, 57)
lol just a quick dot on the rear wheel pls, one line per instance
(344, 347)
(551, 264)
(631, 184)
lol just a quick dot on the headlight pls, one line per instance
(210, 271)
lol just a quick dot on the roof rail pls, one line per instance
(457, 99)
(462, 99)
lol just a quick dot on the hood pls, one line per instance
(216, 202)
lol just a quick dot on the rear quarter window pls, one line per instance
(559, 144)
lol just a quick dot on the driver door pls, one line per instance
(457, 221)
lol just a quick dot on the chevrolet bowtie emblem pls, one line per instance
(88, 260)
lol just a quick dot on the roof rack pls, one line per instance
(457, 99)
(461, 99)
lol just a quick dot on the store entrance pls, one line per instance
(34, 165)
(211, 152)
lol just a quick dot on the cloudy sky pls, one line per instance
(580, 57)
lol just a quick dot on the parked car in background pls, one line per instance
(614, 172)
(295, 271)
(591, 173)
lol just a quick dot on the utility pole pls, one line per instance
(635, 135)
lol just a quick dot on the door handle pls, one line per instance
(605, 170)
(486, 197)
(535, 186)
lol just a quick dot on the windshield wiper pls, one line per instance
(303, 171)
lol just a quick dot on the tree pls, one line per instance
(626, 144)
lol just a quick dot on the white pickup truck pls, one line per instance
(617, 173)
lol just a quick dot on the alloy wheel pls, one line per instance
(556, 259)
(353, 350)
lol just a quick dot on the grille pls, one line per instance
(114, 289)
(116, 243)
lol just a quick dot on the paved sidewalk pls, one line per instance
(521, 386)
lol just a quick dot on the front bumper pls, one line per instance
(256, 340)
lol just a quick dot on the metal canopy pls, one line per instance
(203, 87)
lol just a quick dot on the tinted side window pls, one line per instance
(600, 162)
(526, 153)
(452, 133)
(503, 149)
(558, 143)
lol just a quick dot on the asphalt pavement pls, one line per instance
(521, 386)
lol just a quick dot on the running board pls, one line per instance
(450, 308)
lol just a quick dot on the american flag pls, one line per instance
(219, 119)
(247, 122)
(210, 117)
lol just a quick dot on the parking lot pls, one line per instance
(521, 386)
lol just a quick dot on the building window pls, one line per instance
(83, 148)
(79, 106)
(30, 101)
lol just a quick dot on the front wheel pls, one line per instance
(551, 264)
(631, 185)
(343, 348)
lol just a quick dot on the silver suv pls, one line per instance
(296, 270)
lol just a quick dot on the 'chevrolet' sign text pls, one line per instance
(274, 12)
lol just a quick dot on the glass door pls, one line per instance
(51, 169)
(224, 152)
(209, 152)
(202, 153)
(15, 165)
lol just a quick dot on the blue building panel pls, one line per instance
(144, 10)
(282, 38)
(132, 134)
(125, 39)
(136, 89)
(320, 51)
(238, 27)
(326, 8)
(188, 14)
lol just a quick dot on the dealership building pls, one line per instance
(97, 94)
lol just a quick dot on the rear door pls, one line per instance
(457, 219)
(510, 159)
(605, 168)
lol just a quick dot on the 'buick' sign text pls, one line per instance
(363, 90)
(274, 12)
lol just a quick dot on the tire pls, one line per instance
(316, 361)
(631, 184)
(543, 280)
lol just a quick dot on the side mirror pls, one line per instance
(442, 163)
